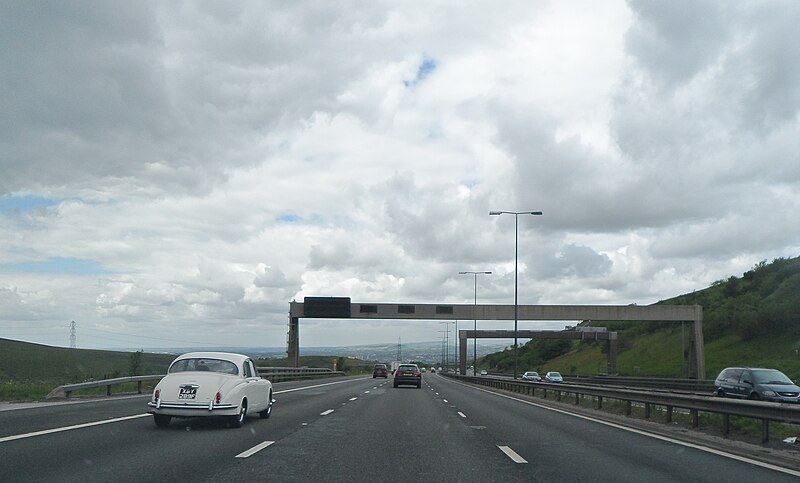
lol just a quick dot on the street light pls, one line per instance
(446, 341)
(516, 252)
(475, 321)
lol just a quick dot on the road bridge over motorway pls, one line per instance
(344, 308)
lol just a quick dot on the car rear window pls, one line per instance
(408, 368)
(204, 365)
(380, 366)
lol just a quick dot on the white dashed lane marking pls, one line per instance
(462, 414)
(325, 413)
(512, 454)
(255, 449)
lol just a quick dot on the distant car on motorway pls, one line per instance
(408, 374)
(422, 369)
(756, 383)
(380, 370)
(553, 377)
(484, 373)
(203, 384)
(532, 376)
(433, 370)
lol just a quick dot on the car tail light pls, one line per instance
(417, 374)
(157, 395)
(218, 397)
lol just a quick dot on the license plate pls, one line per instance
(187, 393)
(408, 374)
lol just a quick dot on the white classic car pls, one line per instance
(211, 384)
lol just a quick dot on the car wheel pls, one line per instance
(419, 386)
(395, 384)
(238, 420)
(265, 414)
(754, 397)
(162, 421)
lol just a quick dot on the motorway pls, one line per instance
(353, 429)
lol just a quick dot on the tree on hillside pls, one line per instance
(135, 363)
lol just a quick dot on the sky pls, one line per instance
(175, 173)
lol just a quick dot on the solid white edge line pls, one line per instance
(717, 452)
(516, 458)
(68, 428)
(325, 413)
(125, 418)
(255, 449)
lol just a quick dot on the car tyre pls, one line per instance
(265, 414)
(162, 420)
(754, 397)
(395, 384)
(419, 386)
(238, 420)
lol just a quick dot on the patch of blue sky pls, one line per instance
(67, 265)
(471, 183)
(427, 66)
(24, 203)
(289, 218)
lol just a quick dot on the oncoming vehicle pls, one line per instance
(484, 373)
(756, 383)
(553, 377)
(532, 376)
(408, 374)
(202, 384)
(380, 370)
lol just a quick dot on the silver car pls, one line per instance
(756, 383)
(553, 377)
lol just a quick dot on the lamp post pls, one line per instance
(446, 342)
(475, 321)
(516, 253)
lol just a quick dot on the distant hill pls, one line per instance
(751, 320)
(27, 362)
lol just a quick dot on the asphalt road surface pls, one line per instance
(353, 429)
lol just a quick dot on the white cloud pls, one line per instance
(205, 165)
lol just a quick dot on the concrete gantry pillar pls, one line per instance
(462, 353)
(293, 342)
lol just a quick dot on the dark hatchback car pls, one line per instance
(380, 371)
(756, 383)
(408, 374)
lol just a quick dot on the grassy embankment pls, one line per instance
(30, 371)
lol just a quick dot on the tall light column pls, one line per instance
(516, 256)
(475, 321)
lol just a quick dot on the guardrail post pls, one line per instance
(558, 395)
(628, 408)
(108, 390)
(726, 423)
(695, 418)
(68, 394)
(139, 387)
(647, 410)
(577, 398)
(669, 414)
(545, 393)
(599, 402)
(764, 430)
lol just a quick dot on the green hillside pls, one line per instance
(751, 320)
(23, 362)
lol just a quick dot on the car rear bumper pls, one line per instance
(415, 381)
(192, 410)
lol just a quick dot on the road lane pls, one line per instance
(388, 434)
(136, 450)
(561, 445)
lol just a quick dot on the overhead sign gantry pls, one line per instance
(343, 308)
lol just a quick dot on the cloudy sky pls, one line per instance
(175, 173)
